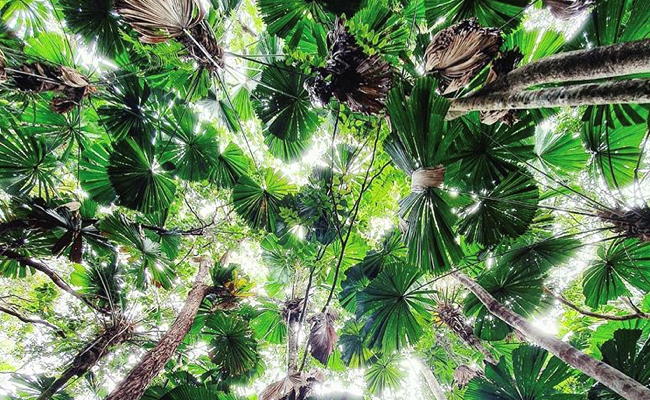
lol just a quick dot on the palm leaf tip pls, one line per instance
(458, 53)
(157, 21)
(633, 223)
(360, 81)
(567, 9)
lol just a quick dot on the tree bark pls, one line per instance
(133, 386)
(600, 371)
(292, 346)
(432, 383)
(54, 277)
(91, 354)
(634, 91)
(598, 63)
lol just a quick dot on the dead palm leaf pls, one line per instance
(322, 337)
(356, 79)
(458, 53)
(158, 21)
(633, 223)
(567, 9)
(71, 86)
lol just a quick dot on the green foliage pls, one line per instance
(384, 373)
(626, 354)
(396, 308)
(532, 375)
(26, 163)
(258, 204)
(619, 263)
(505, 211)
(422, 138)
(138, 181)
(233, 348)
(490, 13)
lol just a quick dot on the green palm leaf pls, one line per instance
(259, 204)
(354, 352)
(615, 150)
(619, 263)
(231, 164)
(192, 156)
(95, 21)
(283, 103)
(385, 373)
(396, 309)
(93, 173)
(269, 326)
(560, 151)
(504, 212)
(285, 150)
(146, 254)
(490, 13)
(519, 287)
(233, 348)
(422, 138)
(626, 354)
(485, 154)
(532, 375)
(26, 163)
(138, 180)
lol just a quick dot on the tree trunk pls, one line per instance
(634, 91)
(91, 354)
(133, 386)
(600, 371)
(598, 63)
(432, 383)
(54, 277)
(292, 346)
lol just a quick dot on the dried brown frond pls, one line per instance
(322, 337)
(158, 21)
(69, 84)
(356, 79)
(567, 9)
(632, 223)
(458, 53)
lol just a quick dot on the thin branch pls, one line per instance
(54, 277)
(29, 320)
(609, 317)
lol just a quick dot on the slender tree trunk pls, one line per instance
(54, 277)
(598, 63)
(91, 354)
(292, 346)
(634, 91)
(133, 386)
(600, 371)
(432, 383)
